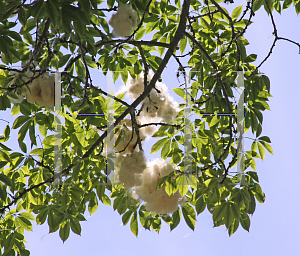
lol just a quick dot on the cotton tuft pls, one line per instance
(127, 131)
(158, 200)
(131, 168)
(41, 90)
(124, 21)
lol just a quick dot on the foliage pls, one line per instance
(74, 36)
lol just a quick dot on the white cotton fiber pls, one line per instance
(156, 170)
(146, 130)
(169, 110)
(41, 90)
(129, 178)
(124, 21)
(47, 91)
(158, 200)
(131, 167)
(127, 138)
(34, 93)
(166, 204)
(136, 86)
(135, 162)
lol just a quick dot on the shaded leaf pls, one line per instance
(134, 224)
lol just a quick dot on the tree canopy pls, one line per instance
(76, 37)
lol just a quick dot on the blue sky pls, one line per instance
(275, 224)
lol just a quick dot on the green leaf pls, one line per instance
(235, 210)
(254, 123)
(245, 221)
(9, 241)
(190, 210)
(200, 205)
(6, 180)
(110, 3)
(219, 212)
(236, 12)
(126, 217)
(36, 151)
(182, 184)
(106, 200)
(9, 252)
(15, 35)
(100, 189)
(25, 223)
(22, 16)
(259, 130)
(134, 224)
(161, 182)
(182, 44)
(64, 231)
(15, 110)
(27, 215)
(257, 4)
(52, 10)
(118, 201)
(179, 92)
(63, 60)
(43, 130)
(161, 49)
(157, 145)
(139, 34)
(229, 215)
(175, 219)
(270, 4)
(266, 81)
(166, 148)
(151, 25)
(75, 226)
(188, 218)
(213, 121)
(32, 133)
(253, 175)
(254, 146)
(94, 3)
(23, 252)
(176, 158)
(267, 146)
(41, 218)
(89, 61)
(233, 227)
(19, 121)
(170, 186)
(265, 138)
(251, 58)
(286, 4)
(23, 146)
(93, 205)
(261, 151)
(260, 196)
